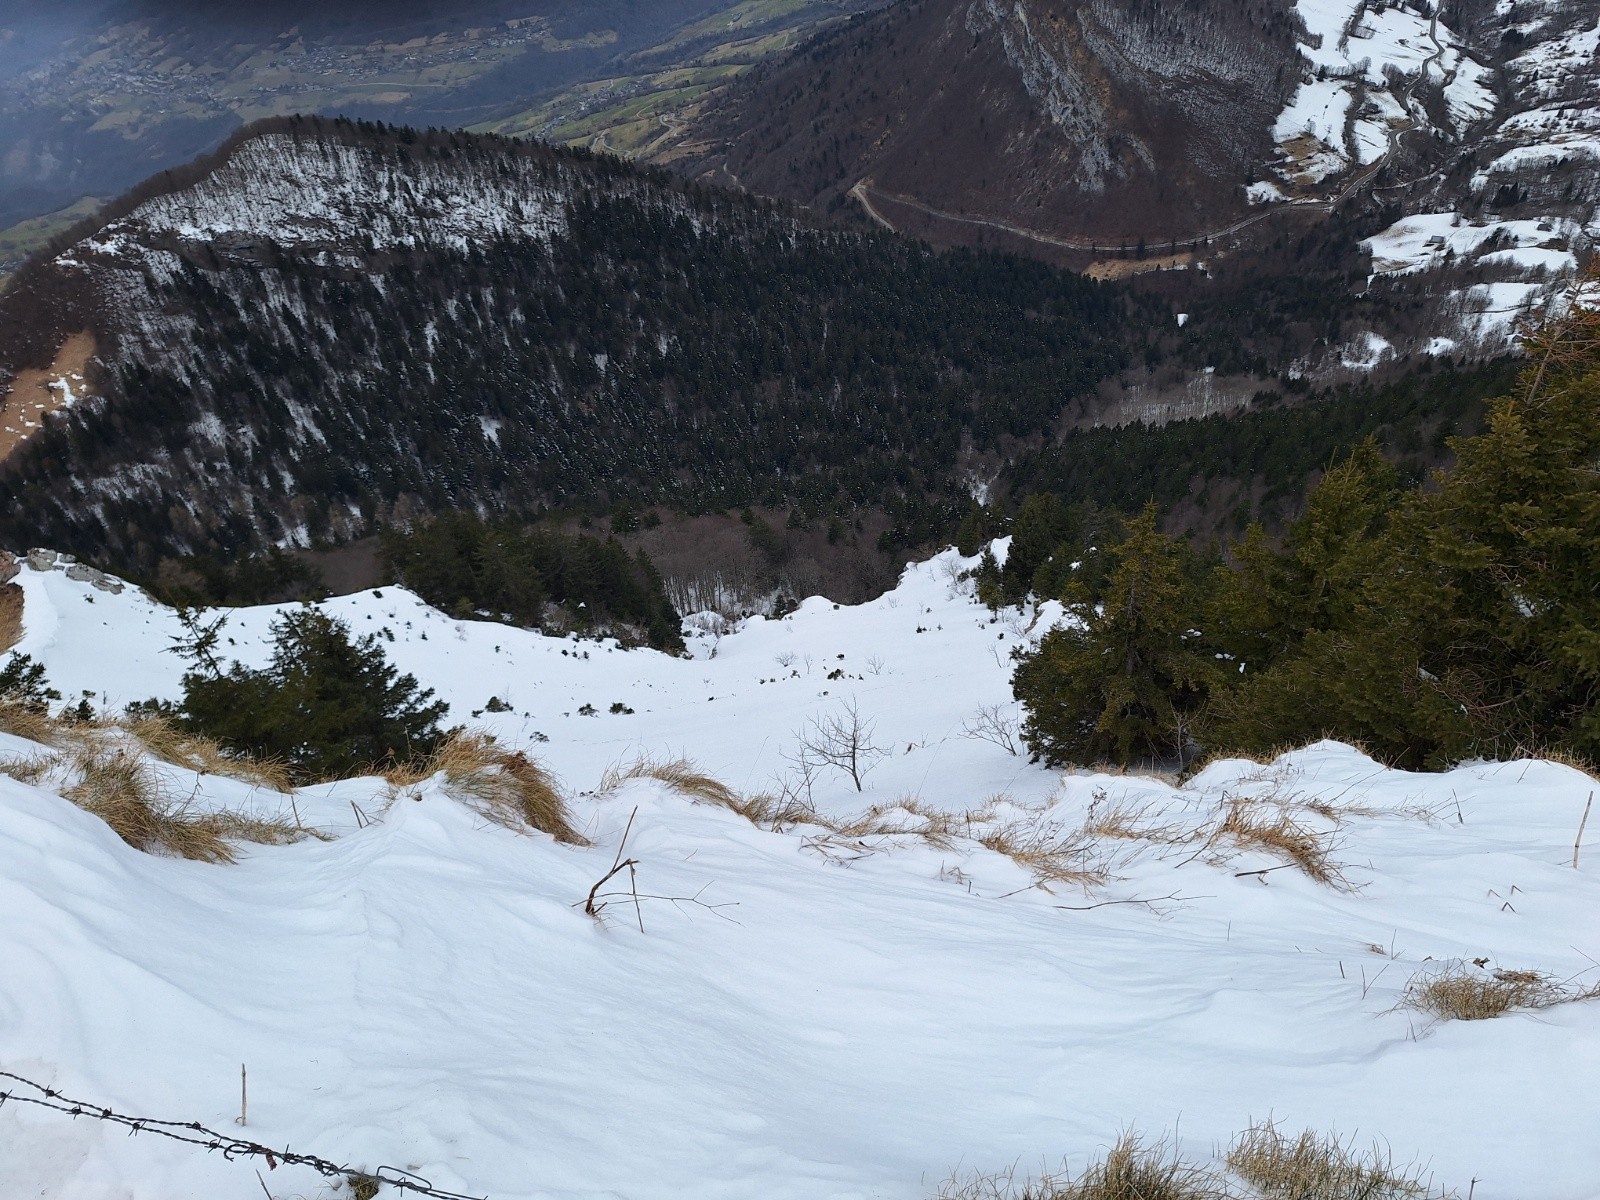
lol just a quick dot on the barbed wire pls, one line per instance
(229, 1146)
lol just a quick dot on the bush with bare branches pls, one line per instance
(992, 723)
(842, 740)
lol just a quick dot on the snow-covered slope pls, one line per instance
(271, 188)
(1480, 122)
(865, 1014)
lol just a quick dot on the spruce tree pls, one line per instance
(325, 705)
(1121, 679)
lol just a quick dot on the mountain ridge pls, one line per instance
(612, 334)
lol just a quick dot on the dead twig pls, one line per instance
(618, 865)
(1154, 900)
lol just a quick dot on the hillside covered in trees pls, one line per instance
(1430, 623)
(332, 325)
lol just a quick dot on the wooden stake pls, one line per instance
(244, 1098)
(1577, 842)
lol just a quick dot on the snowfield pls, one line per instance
(836, 1016)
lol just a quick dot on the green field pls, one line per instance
(633, 114)
(23, 238)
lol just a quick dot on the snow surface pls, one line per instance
(1405, 246)
(1350, 53)
(861, 1020)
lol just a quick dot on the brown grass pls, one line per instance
(167, 742)
(20, 721)
(503, 786)
(31, 768)
(679, 774)
(905, 816)
(763, 809)
(1314, 1167)
(1131, 1170)
(1264, 825)
(24, 403)
(1274, 1165)
(119, 787)
(1461, 992)
(776, 812)
(1123, 820)
(10, 616)
(1049, 854)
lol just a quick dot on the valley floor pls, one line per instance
(1004, 965)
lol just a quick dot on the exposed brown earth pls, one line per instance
(31, 398)
(10, 616)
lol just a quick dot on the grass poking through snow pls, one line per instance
(1462, 992)
(200, 754)
(1268, 1163)
(118, 785)
(503, 786)
(1311, 1166)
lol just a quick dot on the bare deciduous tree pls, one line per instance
(992, 723)
(842, 740)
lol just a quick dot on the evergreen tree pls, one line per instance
(1468, 623)
(325, 705)
(23, 684)
(1121, 679)
(1514, 535)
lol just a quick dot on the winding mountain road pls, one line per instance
(864, 189)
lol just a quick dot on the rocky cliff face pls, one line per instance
(1444, 161)
(1104, 120)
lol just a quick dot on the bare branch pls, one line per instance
(842, 740)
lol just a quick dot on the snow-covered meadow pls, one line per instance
(840, 1014)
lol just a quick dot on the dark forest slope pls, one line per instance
(332, 325)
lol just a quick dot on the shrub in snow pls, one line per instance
(326, 705)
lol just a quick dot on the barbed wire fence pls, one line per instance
(231, 1147)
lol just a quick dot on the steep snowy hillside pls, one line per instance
(997, 965)
(1480, 125)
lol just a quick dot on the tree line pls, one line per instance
(1429, 622)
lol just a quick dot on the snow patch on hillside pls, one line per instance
(864, 1015)
(300, 193)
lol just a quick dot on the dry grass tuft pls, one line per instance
(1461, 992)
(775, 812)
(1313, 1167)
(200, 754)
(1047, 852)
(1130, 1170)
(765, 810)
(908, 817)
(1273, 1165)
(118, 787)
(503, 786)
(680, 774)
(21, 721)
(1124, 820)
(30, 768)
(1257, 825)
